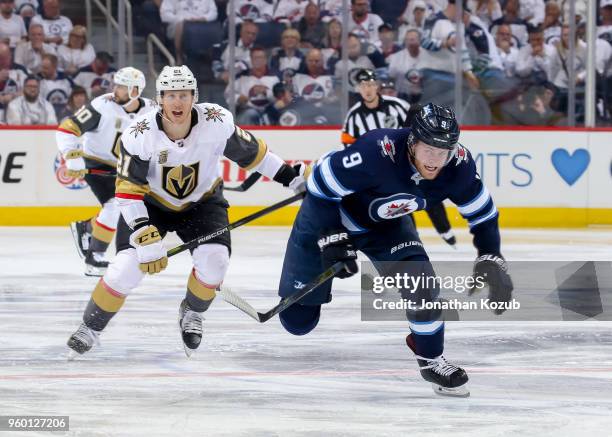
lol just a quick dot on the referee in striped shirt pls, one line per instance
(375, 111)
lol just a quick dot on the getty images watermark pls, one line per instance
(543, 291)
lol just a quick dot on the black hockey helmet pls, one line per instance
(365, 75)
(435, 125)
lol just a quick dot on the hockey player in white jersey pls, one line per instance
(88, 140)
(169, 180)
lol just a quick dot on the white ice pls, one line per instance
(348, 377)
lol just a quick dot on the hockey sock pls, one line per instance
(428, 338)
(101, 236)
(199, 295)
(103, 305)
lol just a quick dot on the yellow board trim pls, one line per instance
(509, 217)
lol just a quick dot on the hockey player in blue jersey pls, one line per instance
(359, 199)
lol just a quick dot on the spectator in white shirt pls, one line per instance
(30, 108)
(413, 18)
(507, 52)
(604, 30)
(26, 8)
(258, 11)
(12, 76)
(77, 53)
(29, 53)
(404, 67)
(533, 62)
(55, 86)
(57, 27)
(220, 65)
(552, 22)
(487, 10)
(362, 23)
(532, 11)
(290, 11)
(12, 27)
(176, 12)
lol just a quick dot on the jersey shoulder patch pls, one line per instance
(461, 156)
(102, 101)
(216, 117)
(139, 134)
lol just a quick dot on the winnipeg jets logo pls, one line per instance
(139, 128)
(298, 285)
(396, 209)
(387, 147)
(460, 155)
(213, 114)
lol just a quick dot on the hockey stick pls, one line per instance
(248, 183)
(249, 218)
(235, 300)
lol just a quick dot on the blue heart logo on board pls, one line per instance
(570, 167)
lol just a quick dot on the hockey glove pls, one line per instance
(336, 246)
(149, 249)
(494, 272)
(294, 177)
(75, 167)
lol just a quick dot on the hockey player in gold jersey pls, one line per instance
(169, 181)
(98, 126)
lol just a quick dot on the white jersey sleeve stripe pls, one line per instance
(333, 184)
(475, 204)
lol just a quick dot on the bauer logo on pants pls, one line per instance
(180, 181)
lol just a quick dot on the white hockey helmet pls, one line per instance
(176, 78)
(130, 77)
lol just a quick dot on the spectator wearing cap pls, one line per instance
(512, 18)
(12, 76)
(314, 85)
(26, 8)
(242, 52)
(283, 97)
(57, 27)
(12, 27)
(486, 10)
(604, 30)
(405, 67)
(55, 86)
(290, 11)
(29, 53)
(552, 22)
(288, 59)
(30, 108)
(258, 11)
(97, 77)
(253, 89)
(78, 98)
(311, 28)
(360, 55)
(533, 62)
(507, 52)
(77, 53)
(387, 45)
(414, 17)
(176, 12)
(387, 88)
(373, 111)
(363, 23)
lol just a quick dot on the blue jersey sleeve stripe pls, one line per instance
(492, 214)
(316, 187)
(476, 203)
(482, 210)
(330, 179)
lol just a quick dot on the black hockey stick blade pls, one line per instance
(235, 300)
(244, 220)
(248, 183)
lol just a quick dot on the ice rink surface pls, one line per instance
(346, 378)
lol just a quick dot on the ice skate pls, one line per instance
(82, 341)
(82, 237)
(190, 324)
(449, 238)
(446, 379)
(95, 264)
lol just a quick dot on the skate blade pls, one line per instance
(458, 392)
(188, 352)
(75, 237)
(72, 354)
(94, 271)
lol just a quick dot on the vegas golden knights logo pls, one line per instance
(180, 181)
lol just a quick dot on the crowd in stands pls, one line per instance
(47, 67)
(514, 56)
